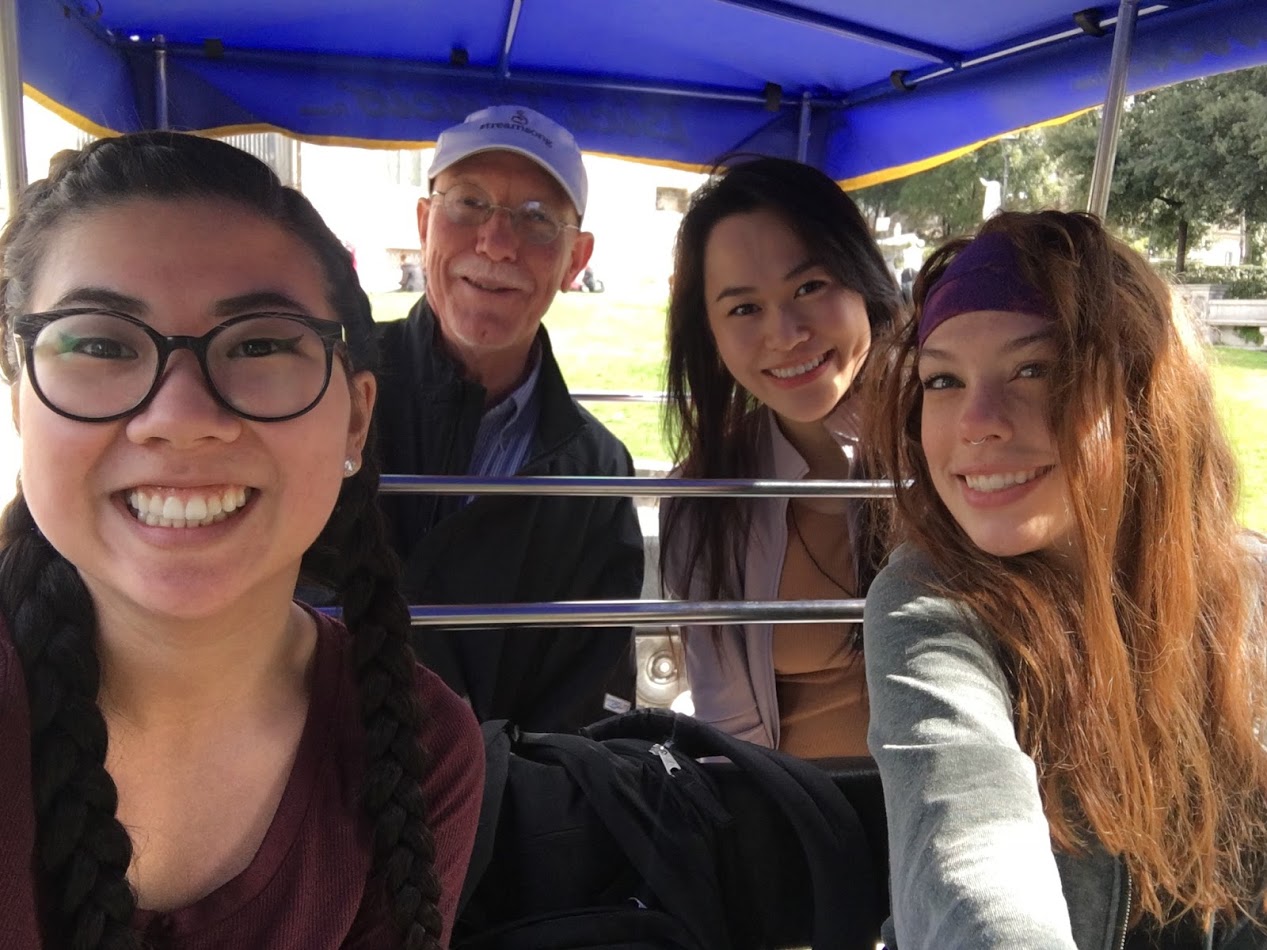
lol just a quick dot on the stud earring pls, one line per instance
(349, 467)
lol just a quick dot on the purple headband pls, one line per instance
(985, 275)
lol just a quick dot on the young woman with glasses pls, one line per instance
(191, 758)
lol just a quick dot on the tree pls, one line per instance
(948, 199)
(878, 200)
(935, 204)
(1189, 157)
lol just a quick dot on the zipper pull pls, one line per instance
(666, 758)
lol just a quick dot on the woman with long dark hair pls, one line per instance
(778, 292)
(192, 759)
(1066, 654)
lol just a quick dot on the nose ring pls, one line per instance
(977, 441)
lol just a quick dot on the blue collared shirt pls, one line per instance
(506, 428)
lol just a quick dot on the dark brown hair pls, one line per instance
(712, 422)
(81, 864)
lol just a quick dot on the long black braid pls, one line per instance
(352, 556)
(82, 851)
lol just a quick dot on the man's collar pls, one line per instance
(440, 347)
(434, 371)
(527, 385)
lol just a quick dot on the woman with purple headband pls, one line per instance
(1065, 654)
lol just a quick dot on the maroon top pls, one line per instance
(306, 886)
(17, 826)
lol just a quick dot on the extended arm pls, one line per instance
(970, 851)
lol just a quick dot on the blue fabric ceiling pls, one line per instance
(882, 88)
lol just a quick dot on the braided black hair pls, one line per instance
(404, 849)
(82, 851)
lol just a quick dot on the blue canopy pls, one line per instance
(867, 91)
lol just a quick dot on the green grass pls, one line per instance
(604, 342)
(1240, 380)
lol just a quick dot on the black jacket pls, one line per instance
(506, 548)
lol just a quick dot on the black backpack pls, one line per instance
(618, 838)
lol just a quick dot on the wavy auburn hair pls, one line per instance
(1138, 682)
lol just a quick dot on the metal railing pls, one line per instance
(617, 396)
(633, 613)
(579, 485)
(636, 613)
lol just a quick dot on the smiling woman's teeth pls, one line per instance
(792, 371)
(161, 510)
(1000, 482)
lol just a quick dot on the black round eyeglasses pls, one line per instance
(96, 365)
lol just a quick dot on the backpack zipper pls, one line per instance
(1121, 944)
(666, 758)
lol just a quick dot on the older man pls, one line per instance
(471, 387)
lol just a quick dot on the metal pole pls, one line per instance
(1111, 120)
(634, 613)
(160, 83)
(590, 485)
(296, 166)
(631, 613)
(802, 133)
(508, 40)
(526, 79)
(1003, 189)
(11, 127)
(606, 395)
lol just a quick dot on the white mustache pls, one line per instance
(506, 278)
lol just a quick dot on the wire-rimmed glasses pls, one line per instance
(470, 206)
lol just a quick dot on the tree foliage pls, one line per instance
(949, 199)
(1190, 157)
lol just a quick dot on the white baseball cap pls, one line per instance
(521, 130)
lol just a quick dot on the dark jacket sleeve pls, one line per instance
(616, 541)
(587, 673)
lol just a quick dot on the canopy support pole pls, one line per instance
(802, 132)
(1111, 120)
(508, 39)
(11, 104)
(161, 120)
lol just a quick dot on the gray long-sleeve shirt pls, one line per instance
(970, 850)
